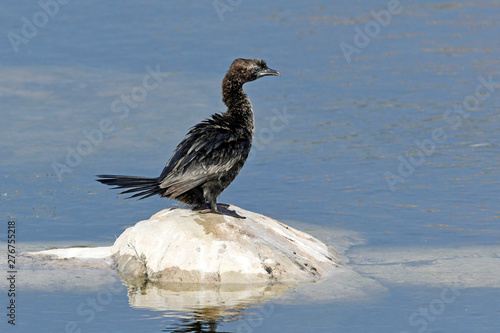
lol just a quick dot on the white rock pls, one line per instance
(79, 252)
(179, 245)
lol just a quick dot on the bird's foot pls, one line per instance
(232, 213)
(221, 210)
(206, 206)
(202, 208)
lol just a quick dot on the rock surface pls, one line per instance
(180, 245)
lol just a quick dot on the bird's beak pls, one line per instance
(268, 71)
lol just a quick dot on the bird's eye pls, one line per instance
(256, 69)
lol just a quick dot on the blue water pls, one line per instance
(335, 138)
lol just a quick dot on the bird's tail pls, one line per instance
(145, 187)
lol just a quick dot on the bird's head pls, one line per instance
(250, 69)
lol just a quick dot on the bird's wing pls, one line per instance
(208, 150)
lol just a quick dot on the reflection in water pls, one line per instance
(200, 308)
(200, 322)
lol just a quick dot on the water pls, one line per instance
(373, 146)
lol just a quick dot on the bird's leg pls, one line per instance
(212, 203)
(210, 207)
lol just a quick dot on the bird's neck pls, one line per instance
(238, 104)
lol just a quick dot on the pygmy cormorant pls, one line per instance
(213, 152)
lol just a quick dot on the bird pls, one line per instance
(211, 154)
